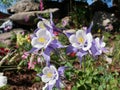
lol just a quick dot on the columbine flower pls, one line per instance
(45, 41)
(51, 76)
(42, 24)
(98, 47)
(42, 39)
(81, 40)
(48, 25)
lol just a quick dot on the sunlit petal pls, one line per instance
(45, 78)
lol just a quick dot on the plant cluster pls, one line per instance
(47, 47)
(63, 59)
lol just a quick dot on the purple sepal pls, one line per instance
(90, 27)
(48, 28)
(51, 17)
(71, 49)
(68, 34)
(58, 84)
(32, 36)
(104, 50)
(36, 30)
(46, 55)
(40, 17)
(80, 54)
(40, 74)
(32, 50)
(56, 44)
(94, 50)
(61, 70)
(55, 29)
(49, 87)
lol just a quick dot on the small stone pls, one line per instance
(3, 80)
(108, 59)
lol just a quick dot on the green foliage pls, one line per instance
(3, 45)
(6, 87)
(91, 77)
(116, 51)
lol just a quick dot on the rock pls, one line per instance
(24, 6)
(5, 37)
(3, 80)
(108, 59)
(28, 18)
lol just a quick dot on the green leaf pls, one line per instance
(100, 88)
(74, 88)
(37, 79)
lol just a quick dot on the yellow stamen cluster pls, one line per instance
(41, 40)
(81, 40)
(49, 75)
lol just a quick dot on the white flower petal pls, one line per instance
(80, 33)
(72, 39)
(35, 43)
(45, 78)
(54, 70)
(46, 70)
(78, 46)
(89, 37)
(89, 42)
(46, 85)
(85, 48)
(81, 36)
(103, 44)
(52, 82)
(45, 38)
(48, 36)
(47, 23)
(41, 33)
(99, 43)
(40, 25)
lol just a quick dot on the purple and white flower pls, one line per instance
(42, 39)
(45, 41)
(43, 24)
(48, 25)
(81, 40)
(98, 47)
(51, 76)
